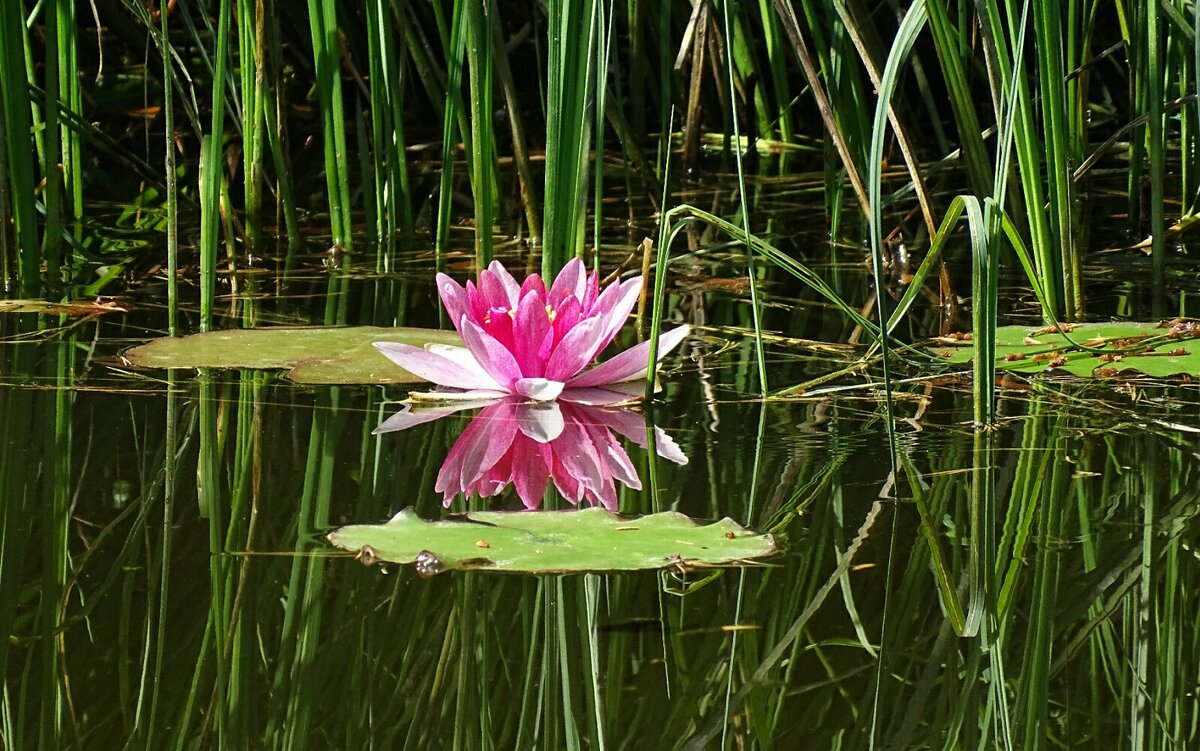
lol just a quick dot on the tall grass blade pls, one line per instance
(482, 157)
(323, 24)
(172, 190)
(212, 176)
(1151, 84)
(751, 273)
(574, 35)
(1052, 85)
(530, 192)
(52, 152)
(454, 121)
(16, 123)
(962, 105)
(791, 26)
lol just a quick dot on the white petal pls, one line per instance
(538, 389)
(541, 422)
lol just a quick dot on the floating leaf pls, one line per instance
(1093, 350)
(310, 354)
(72, 308)
(545, 542)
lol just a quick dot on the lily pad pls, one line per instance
(318, 355)
(1089, 350)
(72, 308)
(547, 542)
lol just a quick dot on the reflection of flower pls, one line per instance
(528, 444)
(529, 341)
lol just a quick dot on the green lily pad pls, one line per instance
(1093, 350)
(309, 354)
(551, 542)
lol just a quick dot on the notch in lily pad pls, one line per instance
(554, 542)
(1089, 350)
(309, 354)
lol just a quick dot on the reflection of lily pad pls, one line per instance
(546, 542)
(1154, 349)
(311, 354)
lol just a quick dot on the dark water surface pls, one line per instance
(166, 583)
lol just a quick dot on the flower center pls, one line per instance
(551, 313)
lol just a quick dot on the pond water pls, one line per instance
(167, 583)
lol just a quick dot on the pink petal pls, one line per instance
(459, 355)
(477, 304)
(616, 462)
(580, 456)
(454, 298)
(632, 425)
(408, 418)
(532, 335)
(433, 367)
(533, 283)
(449, 482)
(622, 466)
(530, 471)
(666, 447)
(630, 364)
(576, 350)
(572, 280)
(621, 307)
(592, 291)
(567, 316)
(497, 428)
(498, 287)
(499, 325)
(568, 486)
(492, 356)
(511, 288)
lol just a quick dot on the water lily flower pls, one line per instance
(529, 444)
(534, 342)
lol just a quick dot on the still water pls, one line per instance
(166, 582)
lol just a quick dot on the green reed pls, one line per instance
(453, 37)
(450, 65)
(212, 173)
(19, 160)
(251, 28)
(172, 188)
(51, 151)
(574, 36)
(391, 191)
(323, 23)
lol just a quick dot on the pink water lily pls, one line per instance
(528, 445)
(534, 342)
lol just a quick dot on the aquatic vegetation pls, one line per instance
(547, 542)
(527, 340)
(1155, 349)
(308, 354)
(529, 444)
